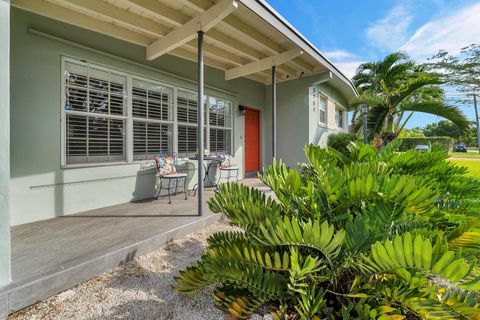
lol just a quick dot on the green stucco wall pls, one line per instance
(297, 123)
(4, 142)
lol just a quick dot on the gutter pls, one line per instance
(269, 14)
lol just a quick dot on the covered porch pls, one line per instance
(52, 255)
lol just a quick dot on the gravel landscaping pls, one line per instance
(140, 289)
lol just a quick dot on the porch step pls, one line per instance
(19, 295)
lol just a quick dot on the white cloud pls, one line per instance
(346, 61)
(450, 33)
(338, 54)
(348, 68)
(391, 31)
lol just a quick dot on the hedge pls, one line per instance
(411, 143)
(340, 141)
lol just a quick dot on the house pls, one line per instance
(91, 90)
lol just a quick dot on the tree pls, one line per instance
(461, 71)
(411, 133)
(395, 86)
(446, 128)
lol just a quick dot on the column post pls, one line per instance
(200, 121)
(5, 246)
(274, 112)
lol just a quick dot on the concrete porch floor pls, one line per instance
(53, 255)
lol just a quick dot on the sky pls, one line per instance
(349, 32)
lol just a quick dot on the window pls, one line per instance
(152, 119)
(339, 117)
(322, 109)
(220, 123)
(187, 123)
(95, 109)
(110, 116)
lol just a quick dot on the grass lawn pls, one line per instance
(464, 155)
(472, 165)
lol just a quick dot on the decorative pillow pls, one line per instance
(165, 166)
(226, 162)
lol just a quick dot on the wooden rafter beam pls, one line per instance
(181, 35)
(260, 65)
(256, 37)
(149, 27)
(81, 20)
(117, 15)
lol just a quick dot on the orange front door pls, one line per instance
(252, 140)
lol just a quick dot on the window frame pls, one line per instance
(129, 118)
(343, 115)
(132, 118)
(321, 95)
(64, 113)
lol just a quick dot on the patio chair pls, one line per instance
(167, 170)
(227, 168)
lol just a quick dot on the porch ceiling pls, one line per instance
(240, 38)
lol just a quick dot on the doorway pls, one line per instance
(252, 141)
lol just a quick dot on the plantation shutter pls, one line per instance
(95, 107)
(152, 119)
(187, 110)
(220, 121)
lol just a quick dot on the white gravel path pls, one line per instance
(140, 289)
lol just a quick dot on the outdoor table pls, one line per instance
(212, 160)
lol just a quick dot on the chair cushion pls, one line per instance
(165, 166)
(175, 176)
(230, 168)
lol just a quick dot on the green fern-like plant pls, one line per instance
(374, 235)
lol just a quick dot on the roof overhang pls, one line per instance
(244, 38)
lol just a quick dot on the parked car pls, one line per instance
(460, 148)
(422, 147)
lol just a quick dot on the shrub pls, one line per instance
(341, 141)
(411, 143)
(377, 235)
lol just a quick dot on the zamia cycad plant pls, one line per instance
(376, 235)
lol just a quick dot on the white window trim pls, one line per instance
(319, 96)
(129, 116)
(133, 77)
(64, 113)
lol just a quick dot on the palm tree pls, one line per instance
(395, 86)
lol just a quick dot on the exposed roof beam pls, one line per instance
(260, 65)
(147, 26)
(84, 21)
(260, 40)
(119, 16)
(81, 20)
(181, 35)
(233, 44)
(324, 77)
(160, 11)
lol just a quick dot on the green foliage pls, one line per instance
(396, 87)
(341, 141)
(448, 129)
(376, 234)
(411, 143)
